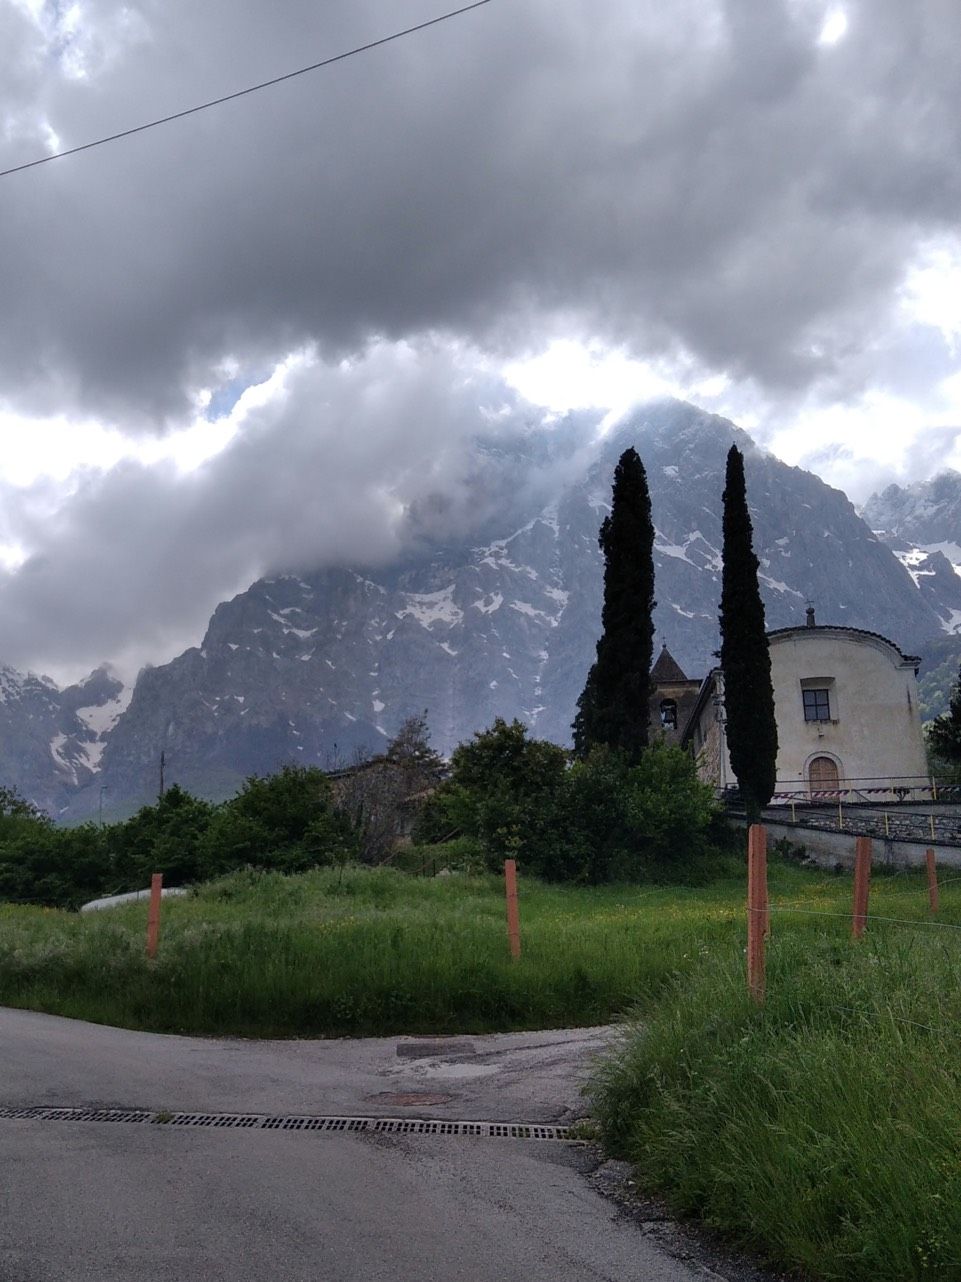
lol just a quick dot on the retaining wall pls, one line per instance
(831, 848)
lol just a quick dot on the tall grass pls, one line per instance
(359, 951)
(822, 1130)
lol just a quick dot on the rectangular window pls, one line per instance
(817, 705)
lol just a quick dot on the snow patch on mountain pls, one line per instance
(429, 608)
(101, 718)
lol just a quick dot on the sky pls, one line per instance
(272, 334)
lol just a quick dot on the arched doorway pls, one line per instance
(823, 774)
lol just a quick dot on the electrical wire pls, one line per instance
(889, 1014)
(240, 93)
(878, 888)
(899, 921)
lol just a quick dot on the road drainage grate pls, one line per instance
(261, 1122)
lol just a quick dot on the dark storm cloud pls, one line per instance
(355, 465)
(696, 176)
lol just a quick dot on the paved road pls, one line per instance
(529, 1077)
(115, 1201)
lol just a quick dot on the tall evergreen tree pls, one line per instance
(944, 734)
(745, 658)
(585, 719)
(614, 706)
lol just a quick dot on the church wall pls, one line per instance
(684, 695)
(709, 743)
(874, 729)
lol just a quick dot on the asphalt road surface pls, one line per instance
(119, 1201)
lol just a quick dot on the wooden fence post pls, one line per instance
(757, 910)
(933, 897)
(153, 916)
(513, 917)
(862, 883)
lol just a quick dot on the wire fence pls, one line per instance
(760, 909)
(868, 917)
(868, 788)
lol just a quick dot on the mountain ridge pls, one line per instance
(321, 664)
(318, 665)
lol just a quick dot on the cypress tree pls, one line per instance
(745, 658)
(614, 706)
(585, 719)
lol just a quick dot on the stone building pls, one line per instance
(847, 712)
(673, 696)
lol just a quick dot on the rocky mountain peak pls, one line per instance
(316, 666)
(925, 513)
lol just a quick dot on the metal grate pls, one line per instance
(255, 1121)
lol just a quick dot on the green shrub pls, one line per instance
(667, 808)
(460, 854)
(285, 821)
(41, 864)
(600, 820)
(165, 837)
(502, 791)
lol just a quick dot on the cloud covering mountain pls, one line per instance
(308, 667)
(323, 282)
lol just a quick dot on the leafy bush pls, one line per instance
(508, 796)
(285, 821)
(502, 790)
(165, 837)
(600, 820)
(460, 854)
(668, 810)
(41, 864)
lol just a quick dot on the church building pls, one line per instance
(847, 712)
(673, 696)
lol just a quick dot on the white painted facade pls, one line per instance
(846, 704)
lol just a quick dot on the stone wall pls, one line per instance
(828, 849)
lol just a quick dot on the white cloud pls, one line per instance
(835, 27)
(717, 200)
(931, 294)
(574, 375)
(58, 448)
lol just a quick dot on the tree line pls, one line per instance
(297, 818)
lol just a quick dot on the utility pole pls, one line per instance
(162, 764)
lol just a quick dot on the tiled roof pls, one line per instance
(840, 627)
(666, 669)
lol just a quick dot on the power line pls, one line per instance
(240, 93)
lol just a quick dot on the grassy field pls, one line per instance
(329, 953)
(370, 951)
